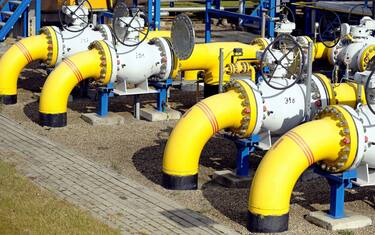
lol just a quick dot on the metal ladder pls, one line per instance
(11, 11)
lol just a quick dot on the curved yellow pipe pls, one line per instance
(184, 146)
(290, 156)
(60, 83)
(198, 125)
(40, 47)
(15, 60)
(206, 57)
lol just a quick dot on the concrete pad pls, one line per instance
(229, 179)
(351, 221)
(152, 115)
(110, 120)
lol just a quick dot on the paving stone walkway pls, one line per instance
(109, 196)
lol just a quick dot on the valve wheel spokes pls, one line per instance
(85, 24)
(294, 67)
(142, 31)
(331, 24)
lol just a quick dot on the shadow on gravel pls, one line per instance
(231, 202)
(31, 110)
(218, 154)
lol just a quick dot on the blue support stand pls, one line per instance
(338, 183)
(162, 87)
(104, 94)
(244, 148)
(153, 13)
(38, 15)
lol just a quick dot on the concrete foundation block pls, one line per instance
(152, 115)
(351, 221)
(110, 120)
(229, 179)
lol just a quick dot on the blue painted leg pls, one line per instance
(338, 184)
(336, 209)
(242, 161)
(104, 94)
(207, 34)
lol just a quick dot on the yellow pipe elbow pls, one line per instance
(15, 60)
(95, 63)
(290, 156)
(197, 126)
(40, 47)
(229, 110)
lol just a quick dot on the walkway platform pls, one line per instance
(107, 195)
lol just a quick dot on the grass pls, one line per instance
(25, 209)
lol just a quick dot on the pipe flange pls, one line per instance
(351, 143)
(252, 102)
(365, 58)
(261, 42)
(108, 59)
(53, 45)
(166, 57)
(106, 33)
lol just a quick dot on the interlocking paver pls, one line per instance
(106, 194)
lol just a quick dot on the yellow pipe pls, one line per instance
(290, 156)
(40, 47)
(159, 33)
(198, 125)
(342, 93)
(206, 57)
(191, 75)
(241, 67)
(95, 63)
(321, 51)
(184, 146)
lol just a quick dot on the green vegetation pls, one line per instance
(25, 209)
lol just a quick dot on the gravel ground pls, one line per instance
(136, 148)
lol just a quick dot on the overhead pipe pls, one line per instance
(262, 107)
(342, 147)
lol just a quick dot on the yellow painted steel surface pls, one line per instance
(191, 75)
(321, 51)
(182, 152)
(159, 33)
(206, 57)
(17, 57)
(48, 5)
(342, 93)
(60, 83)
(291, 155)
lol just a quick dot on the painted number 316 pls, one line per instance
(289, 100)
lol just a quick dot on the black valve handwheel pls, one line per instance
(329, 31)
(121, 33)
(294, 68)
(86, 22)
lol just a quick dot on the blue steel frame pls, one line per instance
(256, 15)
(245, 147)
(338, 183)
